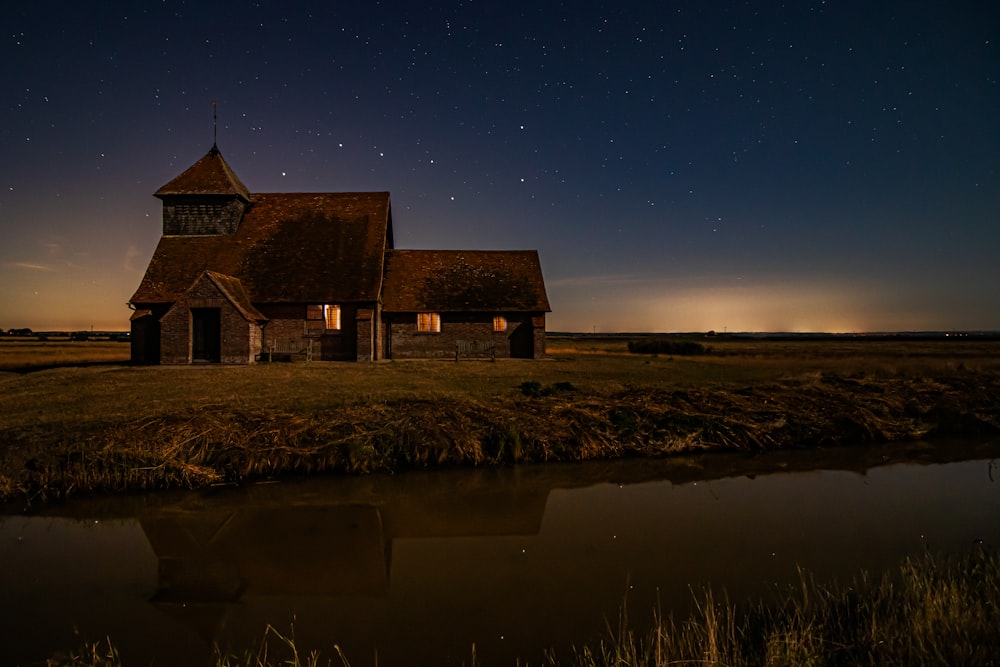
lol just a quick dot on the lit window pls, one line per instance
(499, 323)
(428, 323)
(331, 315)
(321, 318)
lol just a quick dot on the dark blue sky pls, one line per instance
(678, 165)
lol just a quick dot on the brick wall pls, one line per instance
(239, 339)
(524, 337)
(175, 335)
(364, 342)
(288, 323)
(407, 343)
(284, 329)
(379, 334)
(255, 342)
(538, 324)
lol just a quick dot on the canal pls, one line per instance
(416, 568)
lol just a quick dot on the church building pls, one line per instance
(239, 277)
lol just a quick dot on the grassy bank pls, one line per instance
(932, 611)
(110, 427)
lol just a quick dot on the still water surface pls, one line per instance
(416, 568)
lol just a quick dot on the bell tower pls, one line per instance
(206, 200)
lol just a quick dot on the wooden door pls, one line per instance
(206, 335)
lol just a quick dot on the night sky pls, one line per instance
(679, 166)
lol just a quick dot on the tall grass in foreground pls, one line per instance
(932, 611)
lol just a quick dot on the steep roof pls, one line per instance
(232, 289)
(211, 175)
(289, 247)
(464, 280)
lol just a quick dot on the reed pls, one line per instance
(933, 610)
(90, 654)
(275, 648)
(111, 428)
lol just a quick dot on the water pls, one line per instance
(415, 568)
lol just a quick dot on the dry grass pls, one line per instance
(21, 354)
(113, 427)
(934, 610)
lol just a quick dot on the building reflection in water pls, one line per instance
(415, 568)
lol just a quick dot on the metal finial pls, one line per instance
(215, 125)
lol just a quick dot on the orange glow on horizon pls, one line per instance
(764, 307)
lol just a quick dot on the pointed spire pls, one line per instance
(211, 175)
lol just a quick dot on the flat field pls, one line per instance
(24, 354)
(88, 421)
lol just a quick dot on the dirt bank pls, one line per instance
(197, 447)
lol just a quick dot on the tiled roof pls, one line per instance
(300, 247)
(233, 290)
(211, 175)
(464, 280)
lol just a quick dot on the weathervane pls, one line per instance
(215, 124)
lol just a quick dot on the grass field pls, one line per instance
(24, 354)
(88, 421)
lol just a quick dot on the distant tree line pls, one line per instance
(77, 336)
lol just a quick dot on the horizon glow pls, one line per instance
(679, 167)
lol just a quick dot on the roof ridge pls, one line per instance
(232, 289)
(211, 175)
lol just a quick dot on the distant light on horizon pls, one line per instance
(801, 308)
(787, 183)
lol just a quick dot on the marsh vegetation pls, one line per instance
(931, 611)
(75, 428)
(75, 417)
